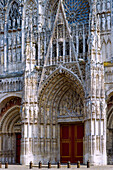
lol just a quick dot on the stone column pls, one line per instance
(95, 120)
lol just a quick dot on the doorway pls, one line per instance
(71, 143)
(18, 147)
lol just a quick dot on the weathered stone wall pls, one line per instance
(61, 68)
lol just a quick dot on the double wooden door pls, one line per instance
(71, 143)
(18, 147)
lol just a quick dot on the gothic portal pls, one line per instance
(56, 81)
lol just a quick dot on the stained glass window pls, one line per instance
(77, 11)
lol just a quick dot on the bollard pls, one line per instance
(78, 164)
(40, 164)
(49, 164)
(58, 165)
(30, 165)
(6, 165)
(88, 164)
(68, 164)
(0, 165)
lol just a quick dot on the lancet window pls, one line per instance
(14, 37)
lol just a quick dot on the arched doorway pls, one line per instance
(10, 130)
(109, 144)
(61, 108)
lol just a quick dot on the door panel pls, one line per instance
(18, 145)
(65, 143)
(71, 143)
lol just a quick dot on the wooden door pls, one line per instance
(18, 147)
(71, 143)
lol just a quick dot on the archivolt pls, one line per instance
(56, 86)
(10, 95)
(9, 118)
(68, 74)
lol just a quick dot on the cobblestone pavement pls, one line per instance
(83, 167)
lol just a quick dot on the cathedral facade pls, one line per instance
(56, 81)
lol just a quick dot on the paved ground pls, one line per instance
(83, 167)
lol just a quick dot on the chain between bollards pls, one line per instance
(6, 165)
(78, 164)
(30, 165)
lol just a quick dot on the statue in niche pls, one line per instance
(18, 39)
(108, 21)
(35, 20)
(9, 24)
(9, 55)
(18, 22)
(14, 40)
(9, 40)
(27, 22)
(102, 106)
(103, 22)
(92, 39)
(103, 5)
(98, 108)
(18, 56)
(14, 23)
(98, 6)
(108, 4)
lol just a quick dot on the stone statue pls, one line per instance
(103, 22)
(9, 40)
(103, 5)
(98, 6)
(9, 24)
(18, 22)
(35, 20)
(108, 4)
(14, 23)
(108, 21)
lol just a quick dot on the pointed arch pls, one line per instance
(65, 71)
(2, 99)
(9, 5)
(7, 118)
(57, 33)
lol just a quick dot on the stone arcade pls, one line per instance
(56, 81)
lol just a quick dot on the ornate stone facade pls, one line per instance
(56, 67)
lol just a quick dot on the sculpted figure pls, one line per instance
(103, 22)
(14, 23)
(108, 21)
(18, 22)
(103, 5)
(108, 4)
(35, 20)
(9, 24)
(98, 6)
